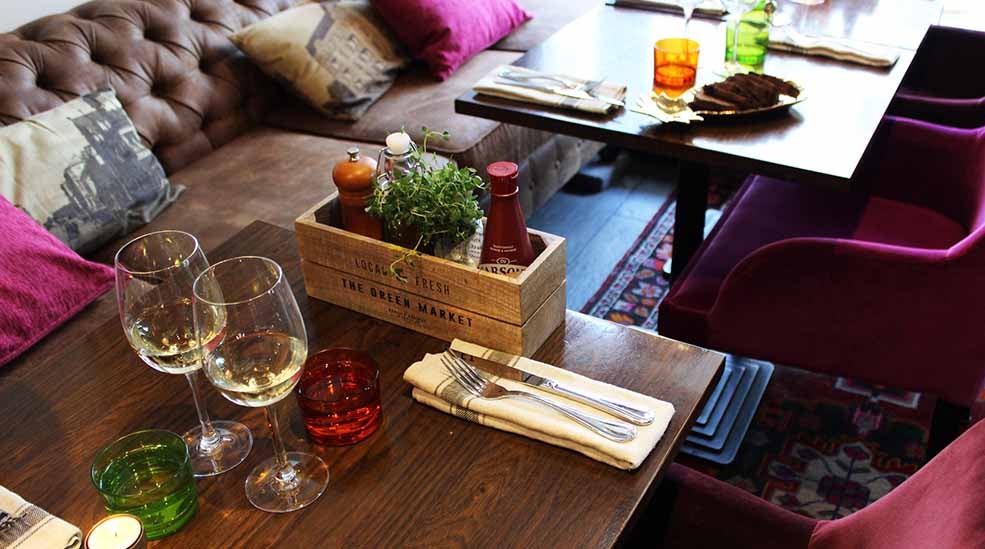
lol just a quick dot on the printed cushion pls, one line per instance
(42, 282)
(337, 56)
(81, 171)
(447, 33)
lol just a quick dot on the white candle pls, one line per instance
(116, 532)
(398, 142)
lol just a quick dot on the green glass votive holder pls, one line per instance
(148, 474)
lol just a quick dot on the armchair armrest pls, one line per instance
(885, 314)
(693, 510)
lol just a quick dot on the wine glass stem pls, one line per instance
(688, 12)
(737, 23)
(286, 475)
(210, 438)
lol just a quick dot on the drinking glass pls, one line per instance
(154, 278)
(736, 9)
(148, 474)
(339, 396)
(256, 360)
(675, 65)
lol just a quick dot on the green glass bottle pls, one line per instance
(754, 36)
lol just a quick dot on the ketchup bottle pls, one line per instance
(354, 179)
(506, 245)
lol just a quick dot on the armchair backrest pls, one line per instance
(942, 506)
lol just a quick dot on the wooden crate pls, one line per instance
(440, 298)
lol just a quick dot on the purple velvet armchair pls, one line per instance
(884, 284)
(945, 84)
(939, 507)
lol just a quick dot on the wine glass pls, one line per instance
(256, 360)
(800, 23)
(736, 8)
(154, 278)
(688, 7)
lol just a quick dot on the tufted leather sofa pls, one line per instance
(224, 129)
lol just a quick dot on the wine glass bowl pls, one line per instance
(256, 360)
(154, 278)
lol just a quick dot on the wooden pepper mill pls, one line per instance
(354, 178)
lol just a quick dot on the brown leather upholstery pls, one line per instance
(184, 84)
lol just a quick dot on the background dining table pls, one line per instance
(820, 141)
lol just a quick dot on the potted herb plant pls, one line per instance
(431, 207)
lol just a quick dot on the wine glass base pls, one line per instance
(264, 491)
(235, 442)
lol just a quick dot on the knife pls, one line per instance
(558, 90)
(609, 406)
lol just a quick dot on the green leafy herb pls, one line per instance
(436, 203)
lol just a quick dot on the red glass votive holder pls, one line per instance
(339, 396)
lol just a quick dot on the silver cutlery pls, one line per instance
(475, 383)
(567, 82)
(576, 93)
(607, 405)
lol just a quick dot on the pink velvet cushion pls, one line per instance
(42, 282)
(447, 33)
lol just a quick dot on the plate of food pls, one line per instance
(744, 94)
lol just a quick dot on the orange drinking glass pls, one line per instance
(675, 64)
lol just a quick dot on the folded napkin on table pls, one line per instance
(788, 39)
(435, 386)
(492, 84)
(25, 526)
(708, 7)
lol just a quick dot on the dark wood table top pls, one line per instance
(818, 141)
(424, 479)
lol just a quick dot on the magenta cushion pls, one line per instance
(447, 33)
(43, 283)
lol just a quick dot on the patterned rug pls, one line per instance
(820, 446)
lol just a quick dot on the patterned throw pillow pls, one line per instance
(82, 172)
(337, 56)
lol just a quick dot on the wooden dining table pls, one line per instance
(424, 479)
(820, 141)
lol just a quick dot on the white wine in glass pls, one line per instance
(256, 369)
(154, 278)
(256, 360)
(164, 335)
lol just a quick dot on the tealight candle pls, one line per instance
(117, 532)
(398, 143)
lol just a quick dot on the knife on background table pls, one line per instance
(607, 405)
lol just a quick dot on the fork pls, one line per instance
(473, 382)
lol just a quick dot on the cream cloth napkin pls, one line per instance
(787, 39)
(27, 526)
(708, 7)
(489, 86)
(435, 386)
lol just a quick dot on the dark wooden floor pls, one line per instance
(601, 227)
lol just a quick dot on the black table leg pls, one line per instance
(689, 218)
